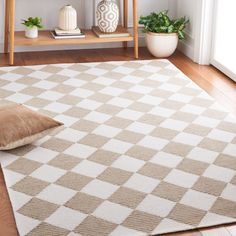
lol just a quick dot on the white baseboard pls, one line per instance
(186, 49)
(187, 46)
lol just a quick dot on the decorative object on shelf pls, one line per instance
(32, 26)
(55, 35)
(163, 33)
(67, 34)
(67, 18)
(107, 16)
(58, 31)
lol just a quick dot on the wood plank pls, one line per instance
(7, 221)
(12, 31)
(125, 18)
(6, 34)
(45, 38)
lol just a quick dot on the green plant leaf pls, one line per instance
(181, 34)
(161, 23)
(31, 22)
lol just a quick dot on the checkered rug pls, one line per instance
(144, 151)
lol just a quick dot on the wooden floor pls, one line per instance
(210, 79)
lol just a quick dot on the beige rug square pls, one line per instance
(144, 151)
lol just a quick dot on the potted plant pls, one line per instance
(163, 33)
(32, 26)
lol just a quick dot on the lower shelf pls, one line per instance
(45, 38)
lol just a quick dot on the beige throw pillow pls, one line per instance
(20, 126)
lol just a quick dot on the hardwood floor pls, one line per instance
(210, 79)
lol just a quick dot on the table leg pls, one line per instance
(135, 20)
(6, 35)
(12, 30)
(125, 18)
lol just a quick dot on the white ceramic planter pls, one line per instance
(31, 33)
(107, 16)
(68, 18)
(161, 44)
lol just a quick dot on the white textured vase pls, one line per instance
(162, 44)
(67, 18)
(31, 33)
(107, 16)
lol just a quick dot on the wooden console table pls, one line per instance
(12, 38)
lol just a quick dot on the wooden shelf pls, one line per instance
(45, 38)
(12, 38)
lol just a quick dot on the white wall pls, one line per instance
(1, 20)
(188, 8)
(48, 10)
(197, 44)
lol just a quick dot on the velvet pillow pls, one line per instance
(20, 126)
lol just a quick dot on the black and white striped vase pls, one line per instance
(107, 16)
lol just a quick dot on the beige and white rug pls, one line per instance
(144, 151)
